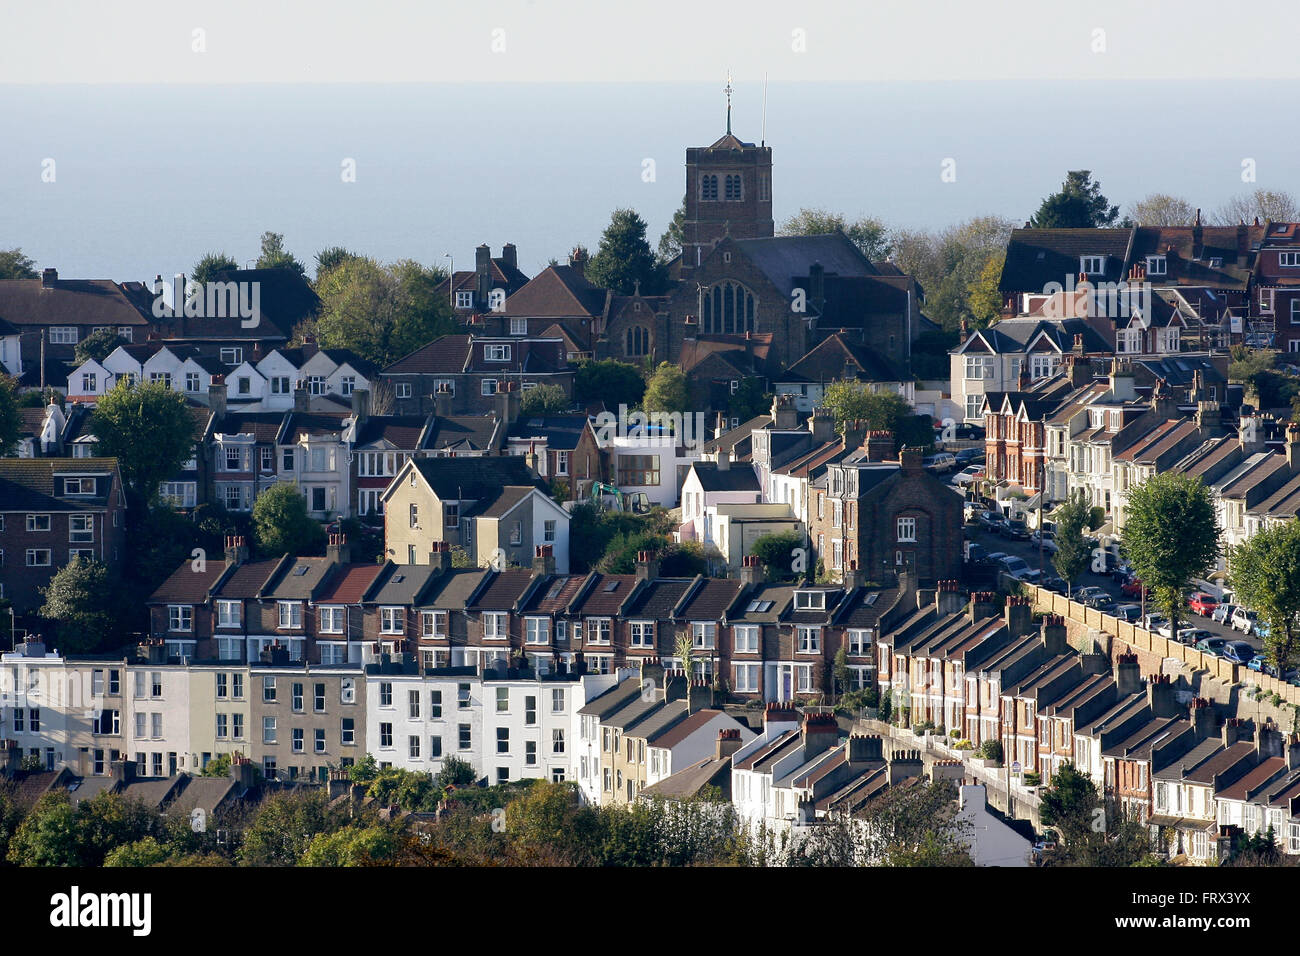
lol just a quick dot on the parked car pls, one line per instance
(1194, 635)
(1082, 594)
(1128, 612)
(962, 431)
(1015, 529)
(969, 456)
(989, 519)
(967, 475)
(1260, 665)
(1202, 603)
(1033, 576)
(1106, 566)
(1133, 588)
(1152, 621)
(1053, 583)
(1223, 613)
(1014, 566)
(995, 556)
(976, 553)
(940, 463)
(1044, 539)
(1239, 652)
(1242, 620)
(1211, 645)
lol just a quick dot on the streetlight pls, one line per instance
(451, 278)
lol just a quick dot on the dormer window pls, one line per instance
(464, 300)
(496, 353)
(1092, 265)
(810, 600)
(1157, 266)
(1288, 259)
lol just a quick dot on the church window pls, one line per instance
(733, 192)
(638, 340)
(727, 309)
(709, 188)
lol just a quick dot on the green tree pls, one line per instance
(667, 391)
(983, 294)
(610, 381)
(276, 256)
(670, 243)
(284, 826)
(869, 234)
(625, 258)
(455, 773)
(1072, 550)
(843, 676)
(98, 345)
(776, 551)
(146, 851)
(15, 265)
(851, 400)
(749, 400)
(218, 766)
(381, 312)
(1171, 535)
(352, 846)
(685, 650)
(1265, 575)
(207, 268)
(1161, 209)
(150, 432)
(1078, 205)
(327, 259)
(48, 835)
(1094, 831)
(281, 523)
(544, 400)
(947, 264)
(83, 598)
(11, 423)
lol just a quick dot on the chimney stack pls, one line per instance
(855, 431)
(864, 747)
(1128, 675)
(217, 396)
(785, 417)
(361, 405)
(1160, 696)
(699, 696)
(301, 400)
(338, 550)
(724, 460)
(236, 549)
(647, 566)
(821, 732)
(49, 277)
(124, 771)
(728, 743)
(822, 425)
(751, 571)
(1293, 447)
(543, 561)
(578, 260)
(982, 605)
(1053, 634)
(911, 459)
(879, 445)
(442, 400)
(948, 598)
(1268, 741)
(440, 556)
(778, 717)
(482, 275)
(1231, 731)
(510, 256)
(852, 576)
(1019, 616)
(1202, 717)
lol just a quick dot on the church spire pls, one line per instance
(728, 91)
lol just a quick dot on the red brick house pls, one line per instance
(52, 510)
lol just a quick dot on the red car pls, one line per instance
(1202, 603)
(1132, 588)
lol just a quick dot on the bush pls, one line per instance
(990, 750)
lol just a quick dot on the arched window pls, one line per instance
(727, 308)
(638, 340)
(709, 188)
(733, 191)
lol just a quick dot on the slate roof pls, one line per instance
(691, 781)
(672, 735)
(783, 259)
(25, 303)
(555, 594)
(657, 599)
(600, 602)
(402, 584)
(737, 477)
(503, 590)
(473, 479)
(833, 359)
(187, 586)
(557, 292)
(248, 579)
(710, 601)
(1036, 257)
(452, 590)
(446, 355)
(349, 584)
(27, 484)
(562, 432)
(503, 503)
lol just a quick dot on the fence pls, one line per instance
(1143, 639)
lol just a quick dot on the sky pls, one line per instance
(604, 41)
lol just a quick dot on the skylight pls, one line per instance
(612, 586)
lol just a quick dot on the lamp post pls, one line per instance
(451, 278)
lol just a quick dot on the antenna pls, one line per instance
(763, 141)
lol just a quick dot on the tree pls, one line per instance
(15, 265)
(685, 650)
(947, 264)
(852, 400)
(776, 552)
(544, 400)
(869, 234)
(1072, 550)
(984, 295)
(218, 766)
(284, 827)
(1265, 575)
(82, 597)
(381, 312)
(206, 269)
(1266, 205)
(150, 432)
(327, 259)
(143, 852)
(670, 243)
(276, 256)
(1161, 209)
(843, 676)
(610, 381)
(48, 834)
(668, 390)
(352, 846)
(281, 523)
(1094, 831)
(98, 345)
(1171, 535)
(11, 423)
(749, 400)
(625, 259)
(455, 773)
(1078, 205)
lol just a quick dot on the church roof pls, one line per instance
(782, 259)
(729, 141)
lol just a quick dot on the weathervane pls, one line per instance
(728, 91)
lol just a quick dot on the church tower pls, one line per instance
(728, 192)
